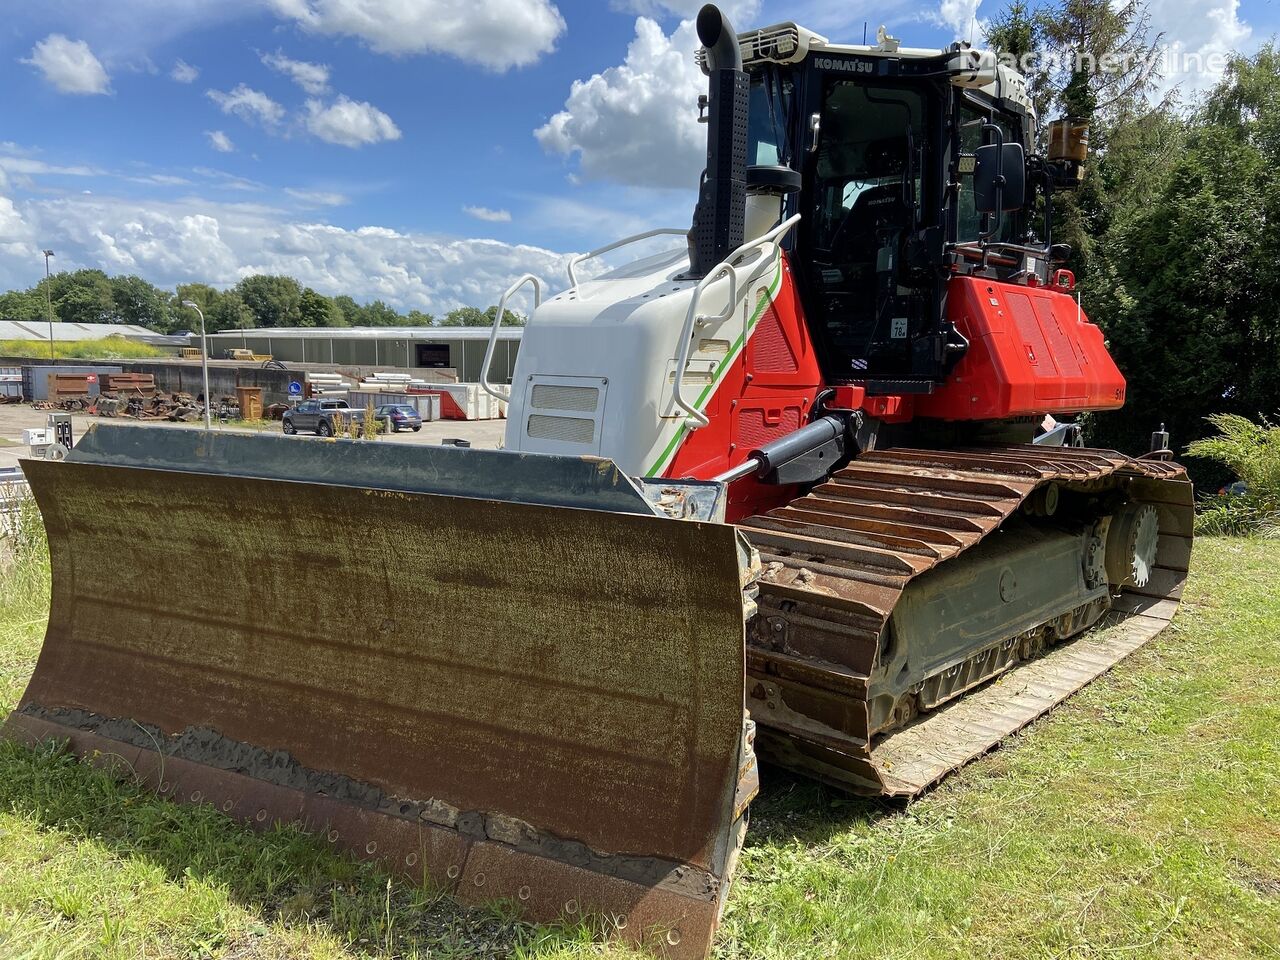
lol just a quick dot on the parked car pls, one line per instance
(319, 415)
(399, 416)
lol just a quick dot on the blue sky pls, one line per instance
(422, 151)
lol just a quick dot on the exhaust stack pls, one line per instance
(719, 218)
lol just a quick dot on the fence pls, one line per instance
(14, 493)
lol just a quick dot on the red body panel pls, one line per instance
(1030, 352)
(767, 392)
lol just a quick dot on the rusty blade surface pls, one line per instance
(429, 678)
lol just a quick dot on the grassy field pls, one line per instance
(106, 348)
(1140, 820)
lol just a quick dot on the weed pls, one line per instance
(106, 348)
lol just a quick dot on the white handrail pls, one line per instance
(497, 322)
(584, 257)
(694, 418)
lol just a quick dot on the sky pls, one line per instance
(422, 152)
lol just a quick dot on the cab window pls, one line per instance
(969, 223)
(767, 112)
(868, 136)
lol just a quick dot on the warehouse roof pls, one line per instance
(39, 330)
(375, 333)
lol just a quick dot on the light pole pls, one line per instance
(48, 299)
(204, 360)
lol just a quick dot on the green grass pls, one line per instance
(106, 348)
(1140, 820)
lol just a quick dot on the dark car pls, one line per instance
(399, 416)
(319, 415)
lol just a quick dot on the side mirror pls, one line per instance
(999, 178)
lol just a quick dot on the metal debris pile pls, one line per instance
(159, 406)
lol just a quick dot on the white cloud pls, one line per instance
(490, 216)
(220, 141)
(497, 35)
(311, 77)
(14, 230)
(961, 17)
(248, 104)
(349, 123)
(739, 12)
(179, 241)
(69, 65)
(1199, 34)
(637, 123)
(317, 198)
(161, 179)
(184, 72)
(229, 180)
(29, 166)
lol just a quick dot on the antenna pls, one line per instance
(864, 33)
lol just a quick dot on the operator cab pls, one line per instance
(885, 141)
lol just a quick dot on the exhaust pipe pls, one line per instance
(719, 39)
(719, 218)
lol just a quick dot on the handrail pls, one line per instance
(694, 418)
(584, 257)
(497, 322)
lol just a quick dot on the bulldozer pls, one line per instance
(802, 488)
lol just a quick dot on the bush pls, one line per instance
(1252, 451)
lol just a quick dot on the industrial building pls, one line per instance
(428, 348)
(39, 330)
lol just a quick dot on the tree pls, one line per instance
(510, 318)
(1091, 61)
(22, 305)
(137, 301)
(272, 300)
(79, 296)
(317, 310)
(416, 318)
(201, 294)
(1186, 285)
(378, 314)
(466, 317)
(349, 309)
(228, 312)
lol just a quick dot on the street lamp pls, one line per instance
(204, 360)
(48, 299)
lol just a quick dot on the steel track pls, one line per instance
(837, 561)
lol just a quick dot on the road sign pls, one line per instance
(295, 388)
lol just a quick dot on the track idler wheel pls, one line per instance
(1131, 545)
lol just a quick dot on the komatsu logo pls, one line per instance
(847, 66)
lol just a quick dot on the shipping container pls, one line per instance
(35, 379)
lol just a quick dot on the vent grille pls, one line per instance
(781, 43)
(564, 429)
(549, 396)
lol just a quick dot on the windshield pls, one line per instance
(767, 113)
(868, 134)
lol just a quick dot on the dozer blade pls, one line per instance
(899, 598)
(399, 649)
